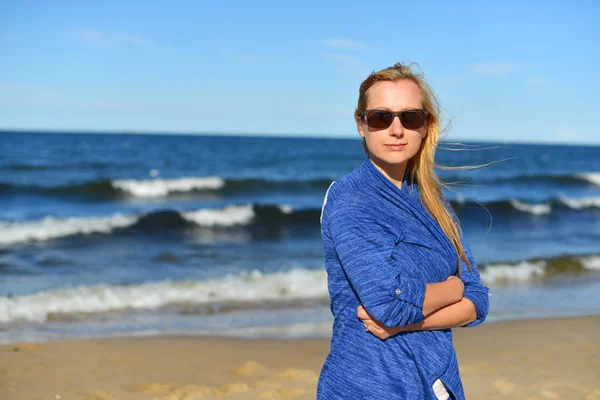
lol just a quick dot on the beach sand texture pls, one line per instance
(556, 358)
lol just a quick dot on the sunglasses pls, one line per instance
(382, 119)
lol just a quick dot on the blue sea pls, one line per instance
(105, 235)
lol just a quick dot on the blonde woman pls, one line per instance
(400, 273)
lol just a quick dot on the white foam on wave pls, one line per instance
(535, 209)
(162, 187)
(251, 287)
(286, 209)
(505, 273)
(52, 228)
(577, 204)
(591, 262)
(228, 216)
(592, 177)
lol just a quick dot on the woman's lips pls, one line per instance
(395, 146)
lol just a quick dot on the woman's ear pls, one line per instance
(360, 127)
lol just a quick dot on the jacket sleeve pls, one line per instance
(474, 288)
(364, 247)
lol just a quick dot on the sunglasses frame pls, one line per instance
(363, 115)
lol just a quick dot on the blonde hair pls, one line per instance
(421, 166)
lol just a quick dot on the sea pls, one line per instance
(106, 235)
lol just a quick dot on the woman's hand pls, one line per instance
(375, 327)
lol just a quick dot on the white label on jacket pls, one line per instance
(440, 390)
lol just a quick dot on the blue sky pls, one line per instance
(504, 71)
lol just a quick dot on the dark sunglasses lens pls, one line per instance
(379, 119)
(412, 119)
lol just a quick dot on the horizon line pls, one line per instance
(261, 135)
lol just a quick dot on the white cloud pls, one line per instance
(345, 44)
(97, 38)
(493, 68)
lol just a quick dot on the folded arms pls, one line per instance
(364, 246)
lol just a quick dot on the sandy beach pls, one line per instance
(530, 359)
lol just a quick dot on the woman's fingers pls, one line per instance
(372, 326)
(377, 331)
(362, 313)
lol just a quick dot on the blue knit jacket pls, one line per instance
(381, 247)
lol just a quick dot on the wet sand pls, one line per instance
(530, 359)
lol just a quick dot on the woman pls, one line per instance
(393, 248)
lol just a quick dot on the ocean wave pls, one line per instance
(591, 177)
(160, 188)
(535, 209)
(524, 206)
(577, 204)
(53, 228)
(167, 187)
(591, 262)
(575, 179)
(234, 291)
(164, 187)
(538, 269)
(226, 217)
(520, 272)
(250, 215)
(246, 290)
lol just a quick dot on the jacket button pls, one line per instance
(398, 291)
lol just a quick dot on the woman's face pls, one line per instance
(394, 96)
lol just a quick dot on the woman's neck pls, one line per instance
(393, 172)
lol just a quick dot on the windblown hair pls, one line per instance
(421, 166)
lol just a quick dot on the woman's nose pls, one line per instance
(396, 128)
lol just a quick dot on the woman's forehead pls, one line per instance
(396, 95)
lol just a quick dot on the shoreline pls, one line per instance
(317, 325)
(544, 358)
